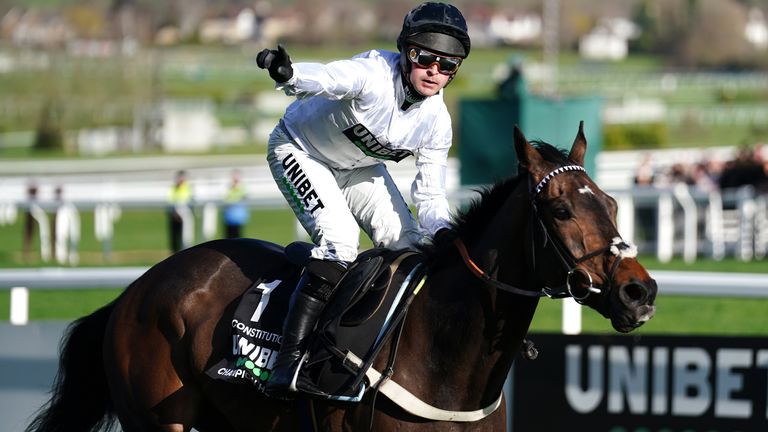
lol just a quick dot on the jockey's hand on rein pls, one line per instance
(277, 62)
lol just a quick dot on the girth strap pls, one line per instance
(413, 405)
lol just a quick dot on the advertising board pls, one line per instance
(642, 383)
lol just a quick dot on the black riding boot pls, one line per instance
(307, 303)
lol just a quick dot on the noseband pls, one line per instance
(617, 247)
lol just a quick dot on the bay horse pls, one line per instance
(547, 230)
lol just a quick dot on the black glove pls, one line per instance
(277, 62)
(444, 237)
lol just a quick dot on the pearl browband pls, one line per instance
(555, 172)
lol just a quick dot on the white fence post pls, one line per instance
(187, 226)
(571, 316)
(104, 217)
(8, 213)
(626, 216)
(67, 236)
(761, 227)
(665, 234)
(691, 222)
(716, 225)
(747, 207)
(210, 220)
(19, 306)
(44, 228)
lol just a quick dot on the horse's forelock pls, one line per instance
(551, 153)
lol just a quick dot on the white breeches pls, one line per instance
(334, 204)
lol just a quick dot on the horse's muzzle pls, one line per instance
(636, 304)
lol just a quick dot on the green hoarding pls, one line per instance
(486, 150)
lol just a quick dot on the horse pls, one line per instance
(549, 230)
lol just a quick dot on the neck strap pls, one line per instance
(411, 95)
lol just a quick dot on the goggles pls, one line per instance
(425, 59)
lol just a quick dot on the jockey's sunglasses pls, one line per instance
(424, 58)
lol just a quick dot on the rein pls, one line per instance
(618, 247)
(477, 271)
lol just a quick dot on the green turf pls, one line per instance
(141, 239)
(68, 304)
(674, 315)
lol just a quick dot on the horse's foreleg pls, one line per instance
(157, 399)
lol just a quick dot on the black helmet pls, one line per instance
(438, 27)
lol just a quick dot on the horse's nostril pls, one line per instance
(634, 292)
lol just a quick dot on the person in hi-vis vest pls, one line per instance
(180, 218)
(236, 213)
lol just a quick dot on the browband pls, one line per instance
(557, 171)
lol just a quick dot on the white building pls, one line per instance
(188, 126)
(229, 30)
(756, 30)
(515, 30)
(609, 40)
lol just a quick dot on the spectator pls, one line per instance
(513, 87)
(762, 187)
(66, 230)
(705, 175)
(678, 173)
(743, 171)
(644, 175)
(29, 221)
(235, 211)
(180, 213)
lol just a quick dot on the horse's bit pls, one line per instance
(618, 247)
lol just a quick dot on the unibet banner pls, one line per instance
(642, 383)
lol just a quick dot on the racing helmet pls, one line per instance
(436, 27)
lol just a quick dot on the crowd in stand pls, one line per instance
(749, 167)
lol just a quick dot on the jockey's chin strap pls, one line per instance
(618, 247)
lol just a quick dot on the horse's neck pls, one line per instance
(476, 330)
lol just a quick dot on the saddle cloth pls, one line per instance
(371, 299)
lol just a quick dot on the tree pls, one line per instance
(663, 25)
(717, 37)
(48, 135)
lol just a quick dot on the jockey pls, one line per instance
(326, 155)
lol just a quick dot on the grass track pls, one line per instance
(141, 240)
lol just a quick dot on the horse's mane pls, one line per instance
(470, 222)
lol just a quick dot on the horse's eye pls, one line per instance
(561, 213)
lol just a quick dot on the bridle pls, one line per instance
(619, 248)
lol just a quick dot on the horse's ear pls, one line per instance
(528, 157)
(579, 147)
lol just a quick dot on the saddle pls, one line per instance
(370, 301)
